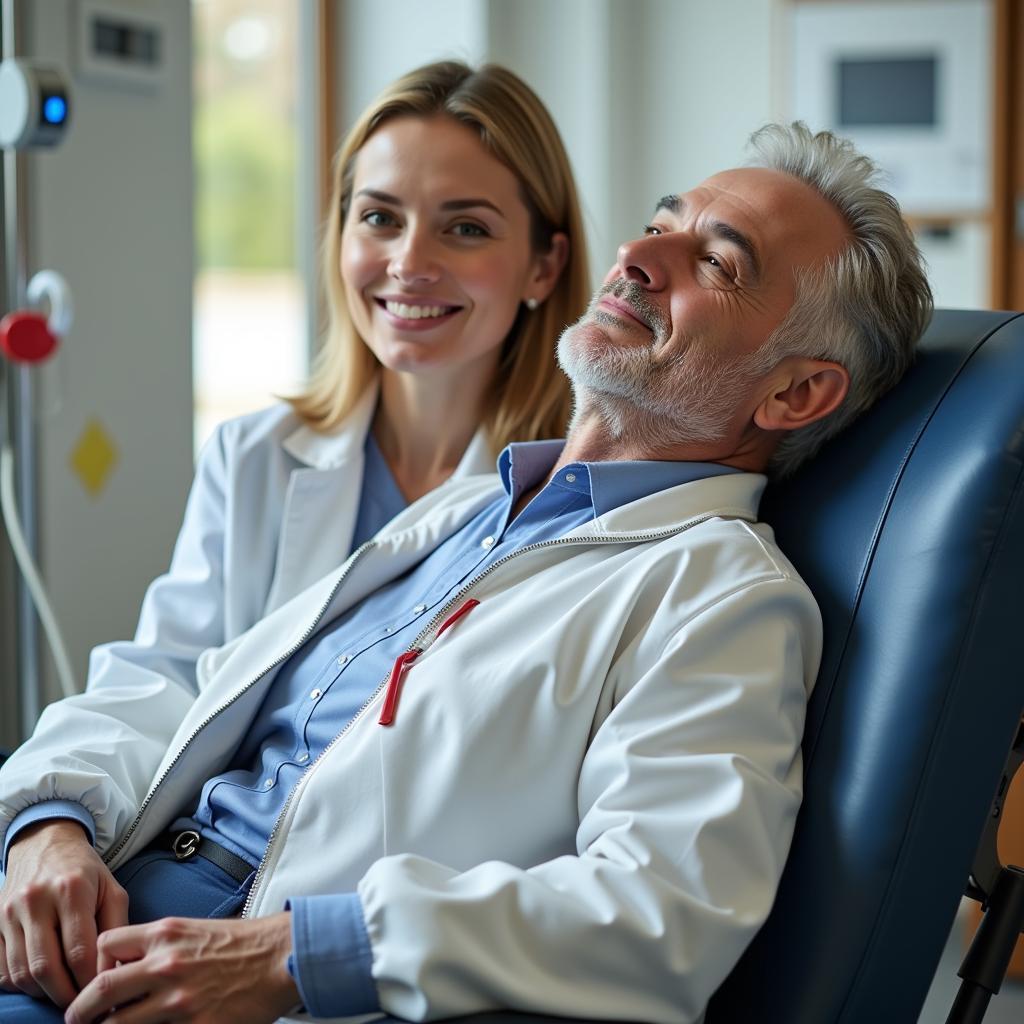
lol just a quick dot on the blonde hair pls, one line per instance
(530, 397)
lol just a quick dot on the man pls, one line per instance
(569, 775)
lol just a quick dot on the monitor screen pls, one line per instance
(889, 91)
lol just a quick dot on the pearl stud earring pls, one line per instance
(532, 304)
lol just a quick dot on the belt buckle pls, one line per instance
(186, 844)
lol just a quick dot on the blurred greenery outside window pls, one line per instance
(249, 326)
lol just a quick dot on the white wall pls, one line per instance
(377, 42)
(111, 210)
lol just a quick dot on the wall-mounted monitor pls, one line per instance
(910, 82)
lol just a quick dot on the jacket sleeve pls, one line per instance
(101, 748)
(687, 795)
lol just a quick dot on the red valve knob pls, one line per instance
(25, 337)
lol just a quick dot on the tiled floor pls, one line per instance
(1005, 1008)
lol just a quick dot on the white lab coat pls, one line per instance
(272, 508)
(587, 797)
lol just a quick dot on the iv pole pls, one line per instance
(33, 113)
(20, 421)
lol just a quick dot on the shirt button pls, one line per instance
(316, 694)
(343, 661)
(570, 478)
(419, 608)
(268, 783)
(487, 542)
(302, 758)
(388, 629)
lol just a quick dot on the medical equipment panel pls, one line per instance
(909, 82)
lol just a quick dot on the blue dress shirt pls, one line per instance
(320, 689)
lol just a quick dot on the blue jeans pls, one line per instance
(158, 886)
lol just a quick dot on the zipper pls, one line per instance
(114, 851)
(632, 538)
(418, 647)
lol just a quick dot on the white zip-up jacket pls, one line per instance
(587, 797)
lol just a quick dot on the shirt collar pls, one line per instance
(609, 485)
(522, 465)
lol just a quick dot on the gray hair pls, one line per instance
(868, 306)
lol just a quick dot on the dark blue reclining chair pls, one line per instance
(909, 528)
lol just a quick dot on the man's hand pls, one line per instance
(194, 970)
(58, 896)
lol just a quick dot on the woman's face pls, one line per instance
(435, 250)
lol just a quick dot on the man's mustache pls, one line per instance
(633, 294)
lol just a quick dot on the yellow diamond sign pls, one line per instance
(94, 457)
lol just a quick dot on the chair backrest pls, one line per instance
(909, 528)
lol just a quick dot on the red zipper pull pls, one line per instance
(387, 713)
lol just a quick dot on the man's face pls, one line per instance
(674, 333)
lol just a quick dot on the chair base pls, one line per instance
(985, 964)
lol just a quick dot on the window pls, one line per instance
(249, 319)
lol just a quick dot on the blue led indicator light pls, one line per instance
(55, 110)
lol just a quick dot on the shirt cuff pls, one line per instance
(68, 809)
(331, 959)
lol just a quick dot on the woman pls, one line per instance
(454, 255)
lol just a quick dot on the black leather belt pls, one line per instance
(188, 844)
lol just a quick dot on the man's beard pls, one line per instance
(655, 404)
